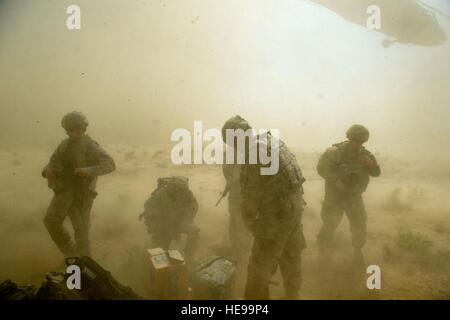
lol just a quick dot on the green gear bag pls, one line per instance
(213, 278)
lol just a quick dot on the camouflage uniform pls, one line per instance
(240, 237)
(343, 162)
(272, 207)
(169, 212)
(74, 196)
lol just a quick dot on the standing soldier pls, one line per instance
(346, 168)
(272, 207)
(72, 174)
(169, 212)
(240, 238)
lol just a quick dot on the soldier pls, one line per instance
(72, 174)
(346, 168)
(169, 212)
(272, 207)
(239, 236)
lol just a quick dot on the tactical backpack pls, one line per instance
(170, 204)
(351, 171)
(98, 283)
(55, 288)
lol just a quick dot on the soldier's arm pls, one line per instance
(249, 210)
(227, 170)
(250, 194)
(325, 166)
(194, 204)
(55, 160)
(150, 214)
(105, 164)
(374, 170)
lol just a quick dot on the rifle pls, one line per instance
(224, 193)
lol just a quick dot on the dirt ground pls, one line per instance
(408, 224)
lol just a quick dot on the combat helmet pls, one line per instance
(74, 119)
(236, 122)
(358, 133)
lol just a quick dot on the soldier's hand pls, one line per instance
(367, 161)
(339, 184)
(50, 174)
(80, 172)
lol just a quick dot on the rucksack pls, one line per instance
(171, 203)
(55, 288)
(98, 283)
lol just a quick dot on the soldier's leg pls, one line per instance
(357, 217)
(262, 266)
(241, 244)
(290, 262)
(240, 237)
(233, 224)
(332, 213)
(80, 215)
(54, 219)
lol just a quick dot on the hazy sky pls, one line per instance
(140, 69)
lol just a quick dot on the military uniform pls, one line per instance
(343, 162)
(272, 207)
(240, 237)
(169, 212)
(74, 195)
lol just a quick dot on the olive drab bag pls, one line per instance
(98, 283)
(55, 288)
(9, 290)
(213, 278)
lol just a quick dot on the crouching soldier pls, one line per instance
(72, 174)
(170, 212)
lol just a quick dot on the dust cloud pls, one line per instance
(141, 69)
